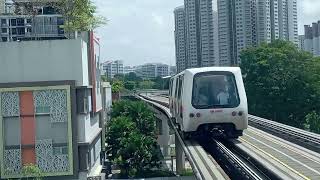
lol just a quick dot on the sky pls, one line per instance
(142, 31)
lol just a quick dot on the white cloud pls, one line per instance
(157, 19)
(141, 31)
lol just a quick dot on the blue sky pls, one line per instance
(141, 31)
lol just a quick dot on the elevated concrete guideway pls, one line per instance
(203, 165)
(287, 159)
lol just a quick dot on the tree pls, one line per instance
(278, 82)
(79, 15)
(130, 85)
(132, 77)
(130, 138)
(117, 86)
(146, 84)
(313, 122)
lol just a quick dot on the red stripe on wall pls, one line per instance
(28, 127)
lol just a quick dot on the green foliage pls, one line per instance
(313, 122)
(130, 138)
(132, 77)
(117, 86)
(146, 84)
(160, 83)
(79, 15)
(279, 83)
(130, 85)
(187, 172)
(32, 171)
(104, 78)
(139, 112)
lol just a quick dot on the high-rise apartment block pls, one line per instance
(312, 40)
(245, 23)
(301, 42)
(180, 38)
(111, 68)
(194, 34)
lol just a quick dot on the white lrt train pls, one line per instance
(209, 101)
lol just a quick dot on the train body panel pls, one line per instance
(211, 98)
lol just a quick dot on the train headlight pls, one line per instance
(198, 115)
(240, 113)
(191, 115)
(234, 113)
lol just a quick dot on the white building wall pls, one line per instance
(292, 21)
(44, 61)
(2, 6)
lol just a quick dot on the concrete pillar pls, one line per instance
(180, 157)
(166, 136)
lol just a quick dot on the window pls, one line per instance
(13, 31)
(215, 90)
(4, 30)
(20, 22)
(13, 22)
(3, 21)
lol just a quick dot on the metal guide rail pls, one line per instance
(203, 165)
(271, 154)
(234, 165)
(303, 138)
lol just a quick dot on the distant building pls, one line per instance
(180, 39)
(301, 42)
(245, 23)
(113, 67)
(129, 69)
(152, 70)
(312, 39)
(173, 70)
(194, 34)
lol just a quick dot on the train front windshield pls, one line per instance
(215, 90)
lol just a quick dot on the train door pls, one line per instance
(179, 99)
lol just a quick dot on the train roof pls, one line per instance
(205, 69)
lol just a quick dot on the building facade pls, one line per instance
(113, 67)
(312, 40)
(129, 69)
(152, 70)
(2, 6)
(180, 38)
(52, 117)
(301, 42)
(245, 23)
(194, 34)
(22, 28)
